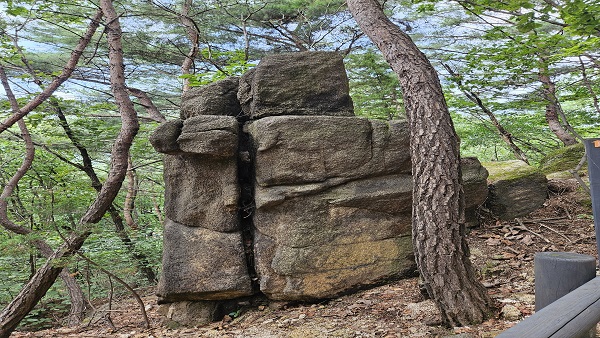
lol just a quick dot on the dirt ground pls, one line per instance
(503, 253)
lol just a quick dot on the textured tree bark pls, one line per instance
(129, 120)
(37, 286)
(438, 205)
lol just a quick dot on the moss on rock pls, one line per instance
(562, 159)
(508, 170)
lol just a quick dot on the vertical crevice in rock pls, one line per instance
(246, 206)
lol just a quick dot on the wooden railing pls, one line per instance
(573, 315)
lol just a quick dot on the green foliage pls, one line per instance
(562, 159)
(227, 63)
(374, 86)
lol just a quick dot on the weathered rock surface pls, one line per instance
(474, 177)
(195, 313)
(515, 188)
(305, 83)
(218, 98)
(202, 264)
(210, 136)
(201, 193)
(201, 184)
(321, 272)
(308, 149)
(333, 204)
(164, 138)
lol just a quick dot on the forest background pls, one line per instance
(520, 78)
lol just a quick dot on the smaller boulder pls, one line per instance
(218, 98)
(515, 189)
(215, 136)
(198, 313)
(164, 138)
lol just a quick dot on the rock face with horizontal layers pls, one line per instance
(343, 220)
(306, 200)
(515, 189)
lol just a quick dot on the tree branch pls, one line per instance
(60, 79)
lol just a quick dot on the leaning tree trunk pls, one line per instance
(438, 206)
(78, 301)
(37, 286)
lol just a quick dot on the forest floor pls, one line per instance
(502, 251)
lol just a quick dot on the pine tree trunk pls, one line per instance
(438, 205)
(552, 107)
(78, 301)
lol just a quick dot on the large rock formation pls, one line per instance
(305, 199)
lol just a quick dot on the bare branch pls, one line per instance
(147, 103)
(64, 75)
(10, 186)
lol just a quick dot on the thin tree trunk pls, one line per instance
(194, 38)
(552, 106)
(438, 203)
(78, 301)
(504, 134)
(37, 286)
(130, 124)
(157, 210)
(588, 85)
(140, 259)
(87, 167)
(153, 112)
(129, 204)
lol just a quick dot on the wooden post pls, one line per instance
(592, 149)
(558, 273)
